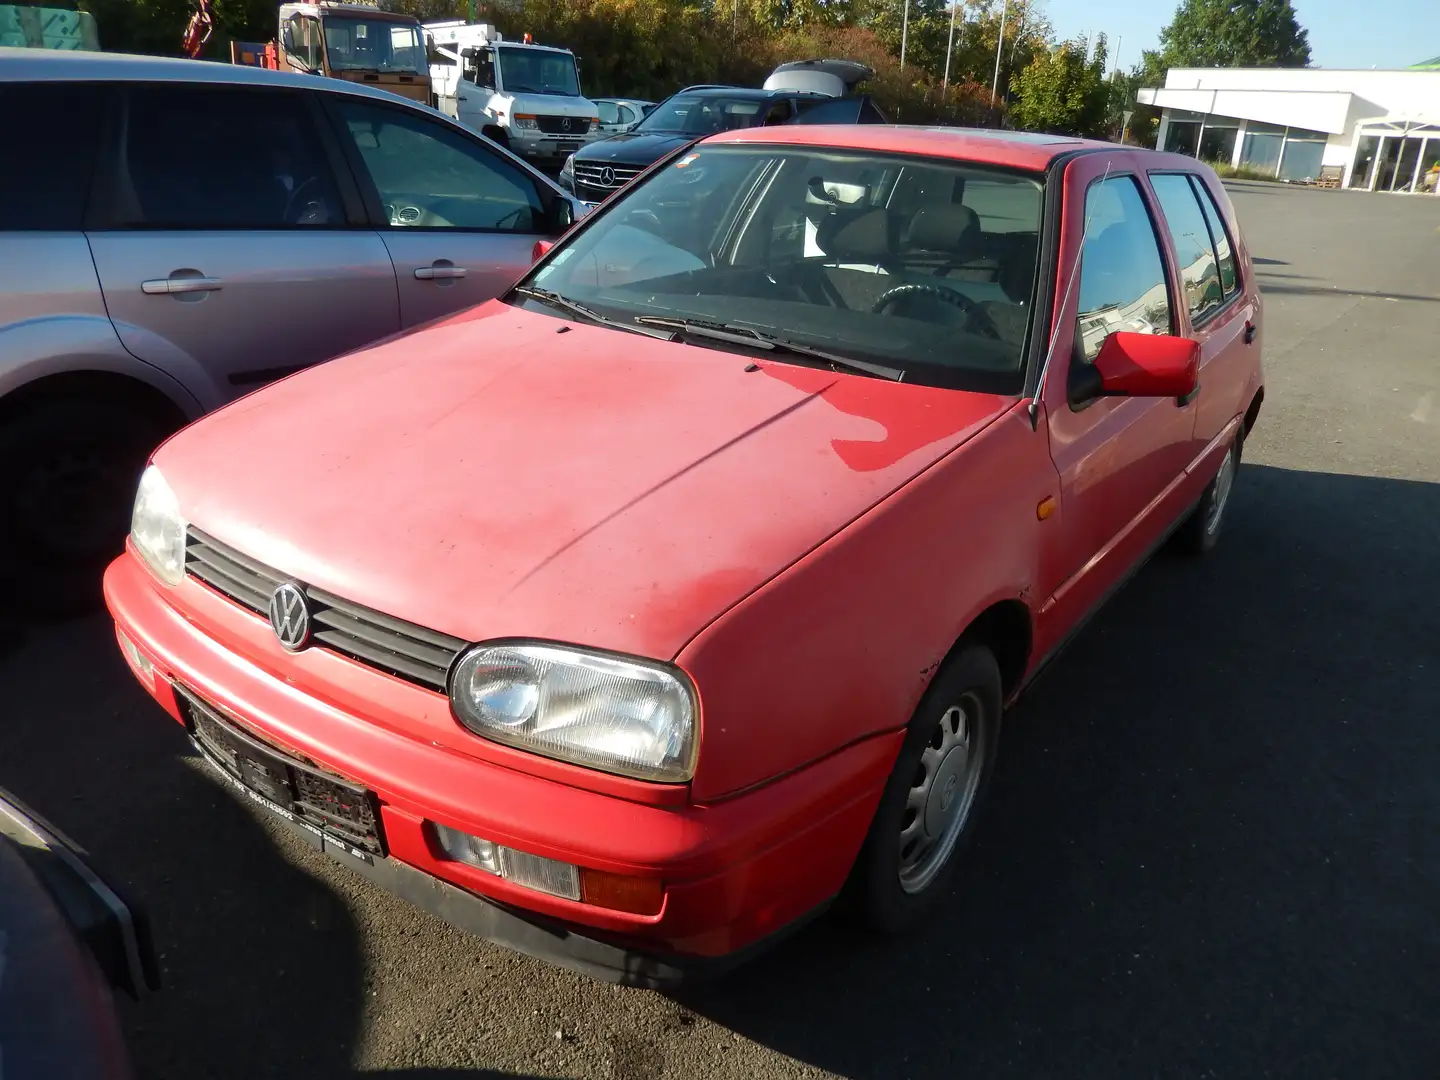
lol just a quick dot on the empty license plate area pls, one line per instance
(337, 810)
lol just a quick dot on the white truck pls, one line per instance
(522, 95)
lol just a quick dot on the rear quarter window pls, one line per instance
(51, 132)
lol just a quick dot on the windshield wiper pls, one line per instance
(744, 335)
(580, 311)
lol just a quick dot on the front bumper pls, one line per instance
(546, 148)
(736, 874)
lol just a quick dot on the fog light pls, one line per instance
(520, 867)
(471, 850)
(139, 662)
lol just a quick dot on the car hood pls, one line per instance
(507, 473)
(633, 148)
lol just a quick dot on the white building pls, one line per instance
(1382, 128)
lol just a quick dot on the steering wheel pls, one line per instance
(984, 325)
(293, 201)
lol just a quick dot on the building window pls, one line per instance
(1365, 155)
(1182, 137)
(1302, 157)
(1261, 150)
(1217, 142)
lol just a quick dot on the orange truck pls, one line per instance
(353, 41)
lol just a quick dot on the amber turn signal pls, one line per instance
(1045, 508)
(639, 896)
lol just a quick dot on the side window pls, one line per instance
(628, 115)
(202, 157)
(1224, 250)
(1122, 275)
(429, 175)
(609, 112)
(304, 40)
(54, 129)
(1193, 249)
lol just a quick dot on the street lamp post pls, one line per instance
(950, 48)
(904, 33)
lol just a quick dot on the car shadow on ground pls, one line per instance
(1211, 847)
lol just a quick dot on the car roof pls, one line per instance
(1019, 149)
(743, 92)
(75, 65)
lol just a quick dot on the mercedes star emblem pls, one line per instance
(565, 124)
(290, 616)
(607, 176)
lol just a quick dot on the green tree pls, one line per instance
(1064, 93)
(1229, 33)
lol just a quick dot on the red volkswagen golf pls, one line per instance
(635, 617)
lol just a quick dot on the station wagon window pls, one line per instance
(1220, 236)
(1194, 251)
(429, 176)
(1122, 275)
(251, 160)
(817, 246)
(54, 129)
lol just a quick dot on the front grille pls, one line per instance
(593, 175)
(328, 803)
(563, 125)
(399, 648)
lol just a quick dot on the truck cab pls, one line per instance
(356, 42)
(522, 95)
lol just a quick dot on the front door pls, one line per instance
(461, 219)
(1118, 459)
(222, 244)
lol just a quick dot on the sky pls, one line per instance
(1378, 33)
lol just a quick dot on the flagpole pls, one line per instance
(999, 45)
(950, 48)
(904, 33)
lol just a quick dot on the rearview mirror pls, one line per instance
(562, 215)
(1139, 365)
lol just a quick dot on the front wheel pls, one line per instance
(928, 809)
(1201, 530)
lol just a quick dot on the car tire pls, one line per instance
(928, 809)
(70, 468)
(1200, 532)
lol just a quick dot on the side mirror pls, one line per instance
(1139, 365)
(541, 248)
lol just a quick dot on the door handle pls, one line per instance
(1249, 333)
(163, 286)
(439, 273)
(1185, 399)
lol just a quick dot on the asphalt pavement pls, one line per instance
(1212, 848)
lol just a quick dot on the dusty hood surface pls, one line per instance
(506, 473)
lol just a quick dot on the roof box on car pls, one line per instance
(832, 77)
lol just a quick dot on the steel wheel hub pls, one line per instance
(1224, 481)
(941, 794)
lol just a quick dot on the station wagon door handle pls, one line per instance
(439, 273)
(1249, 333)
(1185, 399)
(163, 286)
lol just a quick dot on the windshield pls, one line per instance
(355, 44)
(922, 266)
(692, 114)
(538, 71)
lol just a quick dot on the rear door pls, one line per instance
(224, 239)
(459, 218)
(1220, 312)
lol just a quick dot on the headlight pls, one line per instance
(156, 528)
(594, 124)
(526, 120)
(622, 716)
(568, 169)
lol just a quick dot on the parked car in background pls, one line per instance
(67, 943)
(191, 231)
(621, 114)
(597, 171)
(634, 617)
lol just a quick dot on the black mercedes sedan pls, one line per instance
(598, 170)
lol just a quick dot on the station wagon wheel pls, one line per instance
(1201, 530)
(928, 808)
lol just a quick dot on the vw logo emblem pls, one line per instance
(565, 124)
(290, 616)
(607, 176)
